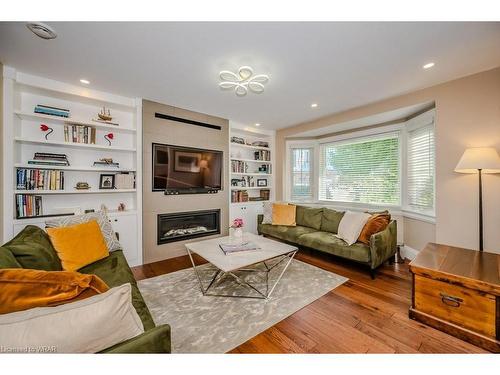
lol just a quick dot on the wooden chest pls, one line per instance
(457, 291)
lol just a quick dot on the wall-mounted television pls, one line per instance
(186, 168)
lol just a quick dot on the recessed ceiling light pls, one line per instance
(428, 65)
(85, 82)
(42, 30)
(257, 124)
(314, 105)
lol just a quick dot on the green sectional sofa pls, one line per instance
(316, 229)
(31, 248)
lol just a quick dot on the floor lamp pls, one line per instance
(479, 160)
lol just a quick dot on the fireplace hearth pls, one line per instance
(181, 226)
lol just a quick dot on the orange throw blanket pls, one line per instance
(22, 289)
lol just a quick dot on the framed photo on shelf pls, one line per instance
(262, 182)
(107, 181)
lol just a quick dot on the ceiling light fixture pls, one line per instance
(85, 82)
(42, 30)
(243, 81)
(314, 105)
(428, 65)
(257, 124)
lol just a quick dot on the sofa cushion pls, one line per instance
(78, 245)
(376, 223)
(309, 217)
(24, 289)
(7, 259)
(330, 220)
(114, 271)
(286, 233)
(33, 249)
(328, 243)
(284, 214)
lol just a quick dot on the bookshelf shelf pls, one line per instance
(73, 168)
(23, 140)
(253, 161)
(252, 174)
(234, 144)
(73, 145)
(251, 188)
(70, 121)
(90, 191)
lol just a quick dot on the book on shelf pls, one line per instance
(48, 162)
(79, 134)
(238, 166)
(39, 179)
(45, 158)
(238, 196)
(28, 205)
(52, 111)
(263, 155)
(238, 247)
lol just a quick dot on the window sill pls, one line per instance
(431, 219)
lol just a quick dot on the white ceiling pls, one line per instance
(337, 65)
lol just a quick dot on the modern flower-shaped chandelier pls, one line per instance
(243, 81)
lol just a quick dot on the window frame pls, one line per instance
(417, 122)
(290, 145)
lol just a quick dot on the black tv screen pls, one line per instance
(178, 167)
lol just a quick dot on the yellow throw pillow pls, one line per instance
(284, 214)
(24, 289)
(78, 245)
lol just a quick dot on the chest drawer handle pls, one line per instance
(450, 300)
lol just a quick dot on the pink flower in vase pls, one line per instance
(237, 223)
(108, 137)
(46, 128)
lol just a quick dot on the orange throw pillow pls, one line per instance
(78, 245)
(375, 224)
(284, 214)
(22, 289)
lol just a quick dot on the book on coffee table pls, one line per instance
(236, 248)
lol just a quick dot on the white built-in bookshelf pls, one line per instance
(22, 138)
(251, 173)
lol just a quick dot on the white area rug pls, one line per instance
(206, 324)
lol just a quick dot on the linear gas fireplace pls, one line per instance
(185, 225)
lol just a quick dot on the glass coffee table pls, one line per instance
(271, 255)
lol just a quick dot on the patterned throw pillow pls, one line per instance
(99, 216)
(268, 213)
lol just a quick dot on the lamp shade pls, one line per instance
(484, 158)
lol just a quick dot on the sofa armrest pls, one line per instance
(260, 219)
(383, 244)
(155, 340)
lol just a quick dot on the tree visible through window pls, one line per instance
(363, 170)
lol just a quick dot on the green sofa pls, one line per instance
(316, 229)
(32, 249)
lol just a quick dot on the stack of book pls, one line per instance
(124, 180)
(52, 111)
(39, 179)
(263, 155)
(79, 134)
(28, 205)
(239, 196)
(238, 166)
(46, 158)
(237, 248)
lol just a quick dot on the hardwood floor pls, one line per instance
(360, 316)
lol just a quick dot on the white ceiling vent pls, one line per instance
(42, 30)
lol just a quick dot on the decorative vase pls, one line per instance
(238, 233)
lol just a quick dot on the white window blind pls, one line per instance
(301, 174)
(361, 170)
(420, 169)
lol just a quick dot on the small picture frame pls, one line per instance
(262, 182)
(107, 181)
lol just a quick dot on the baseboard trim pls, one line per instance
(408, 252)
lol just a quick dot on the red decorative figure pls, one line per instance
(45, 128)
(108, 137)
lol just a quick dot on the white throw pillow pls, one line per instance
(351, 225)
(86, 326)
